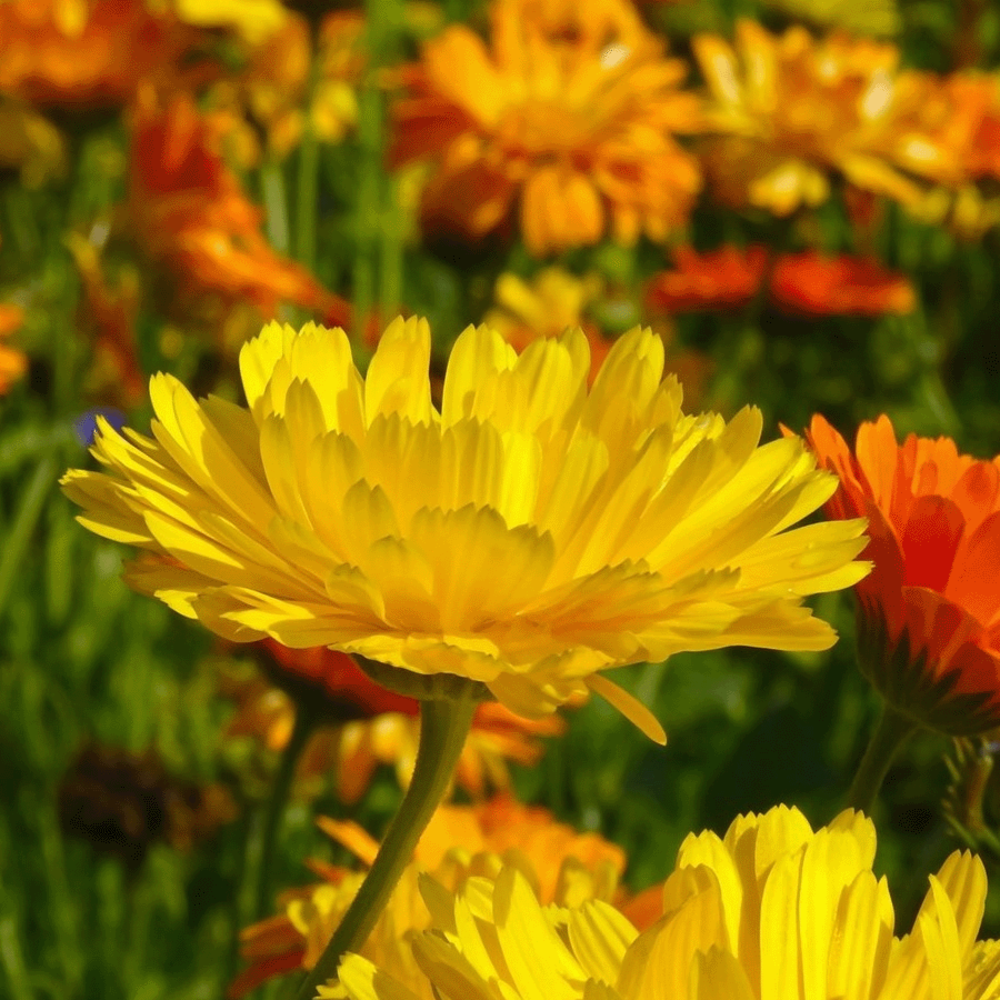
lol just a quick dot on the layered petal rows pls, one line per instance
(527, 534)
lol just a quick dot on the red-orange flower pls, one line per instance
(190, 214)
(565, 120)
(81, 53)
(805, 283)
(929, 614)
(369, 725)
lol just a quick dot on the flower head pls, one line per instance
(788, 111)
(929, 614)
(525, 536)
(773, 911)
(567, 114)
(564, 867)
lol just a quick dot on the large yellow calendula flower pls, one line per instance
(527, 535)
(774, 911)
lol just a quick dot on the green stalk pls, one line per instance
(272, 185)
(305, 723)
(443, 728)
(25, 520)
(891, 732)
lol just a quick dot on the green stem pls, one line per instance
(891, 732)
(305, 722)
(272, 184)
(443, 728)
(307, 198)
(25, 520)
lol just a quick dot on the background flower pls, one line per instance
(576, 131)
(929, 614)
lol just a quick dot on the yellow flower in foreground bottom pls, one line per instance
(773, 911)
(564, 866)
(528, 535)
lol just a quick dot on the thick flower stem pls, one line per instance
(443, 728)
(305, 723)
(891, 732)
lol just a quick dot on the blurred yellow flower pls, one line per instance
(552, 302)
(29, 143)
(527, 536)
(564, 868)
(790, 110)
(254, 20)
(568, 117)
(772, 912)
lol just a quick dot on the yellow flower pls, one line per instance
(566, 117)
(254, 20)
(527, 535)
(772, 912)
(791, 110)
(564, 867)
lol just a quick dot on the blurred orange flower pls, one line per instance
(929, 613)
(189, 213)
(13, 363)
(369, 725)
(82, 53)
(805, 283)
(571, 128)
(790, 110)
(564, 867)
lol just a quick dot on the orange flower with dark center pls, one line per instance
(805, 283)
(365, 725)
(565, 866)
(82, 53)
(571, 129)
(190, 214)
(929, 613)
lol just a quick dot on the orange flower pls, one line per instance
(573, 127)
(82, 53)
(13, 363)
(373, 726)
(564, 866)
(929, 614)
(189, 213)
(805, 283)
(790, 110)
